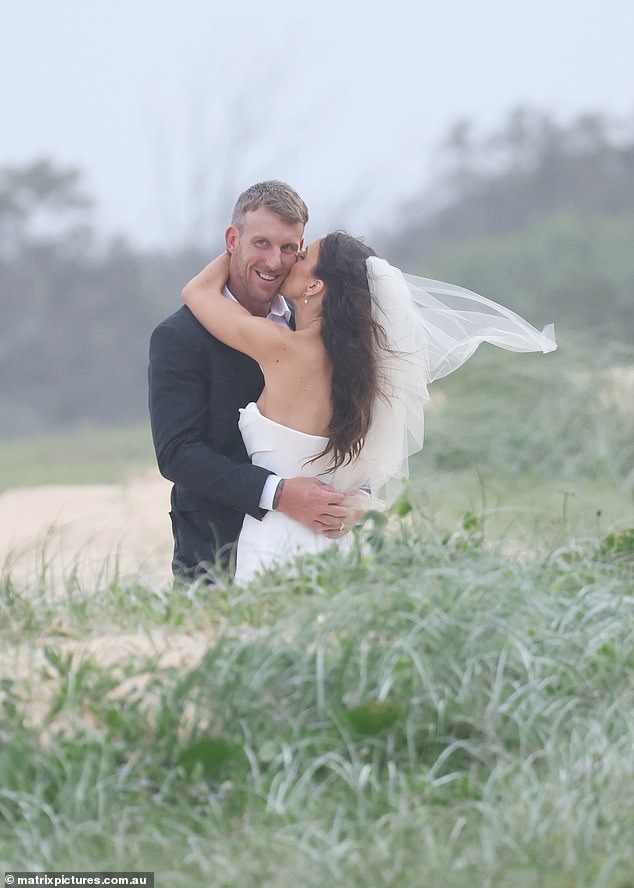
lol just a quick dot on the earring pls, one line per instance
(305, 299)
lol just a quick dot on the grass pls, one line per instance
(421, 712)
(450, 704)
(79, 456)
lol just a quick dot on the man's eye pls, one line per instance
(289, 248)
(260, 243)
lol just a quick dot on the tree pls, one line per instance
(39, 204)
(531, 167)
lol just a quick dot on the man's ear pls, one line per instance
(232, 236)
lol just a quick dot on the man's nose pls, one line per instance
(274, 259)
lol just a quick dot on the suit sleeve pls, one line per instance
(179, 413)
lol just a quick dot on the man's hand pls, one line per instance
(321, 507)
(311, 502)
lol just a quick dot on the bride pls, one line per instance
(344, 392)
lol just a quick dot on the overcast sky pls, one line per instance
(170, 108)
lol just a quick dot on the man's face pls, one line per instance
(263, 251)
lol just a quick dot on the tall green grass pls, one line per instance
(565, 416)
(449, 704)
(419, 712)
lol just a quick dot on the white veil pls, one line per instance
(432, 328)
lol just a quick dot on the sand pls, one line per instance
(91, 531)
(88, 527)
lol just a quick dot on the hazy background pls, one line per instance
(490, 144)
(156, 102)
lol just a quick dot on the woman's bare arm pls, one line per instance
(228, 320)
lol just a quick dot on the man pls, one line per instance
(197, 384)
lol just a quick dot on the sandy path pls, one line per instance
(88, 526)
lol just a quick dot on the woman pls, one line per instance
(344, 393)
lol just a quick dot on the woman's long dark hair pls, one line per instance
(352, 338)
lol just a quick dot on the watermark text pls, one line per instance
(14, 879)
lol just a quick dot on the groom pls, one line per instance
(197, 384)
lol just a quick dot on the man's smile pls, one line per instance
(264, 276)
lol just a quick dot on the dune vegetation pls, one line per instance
(449, 704)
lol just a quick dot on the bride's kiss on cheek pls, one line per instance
(341, 408)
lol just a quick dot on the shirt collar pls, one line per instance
(279, 306)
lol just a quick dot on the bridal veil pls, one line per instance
(432, 328)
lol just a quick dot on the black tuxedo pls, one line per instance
(196, 385)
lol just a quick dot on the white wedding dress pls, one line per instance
(286, 452)
(432, 328)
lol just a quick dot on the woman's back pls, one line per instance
(298, 384)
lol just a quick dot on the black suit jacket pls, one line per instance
(196, 386)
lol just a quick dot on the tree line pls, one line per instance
(538, 214)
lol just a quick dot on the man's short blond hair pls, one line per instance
(276, 196)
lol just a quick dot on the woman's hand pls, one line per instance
(355, 505)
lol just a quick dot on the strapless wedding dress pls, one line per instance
(286, 452)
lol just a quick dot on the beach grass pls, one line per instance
(418, 712)
(450, 704)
